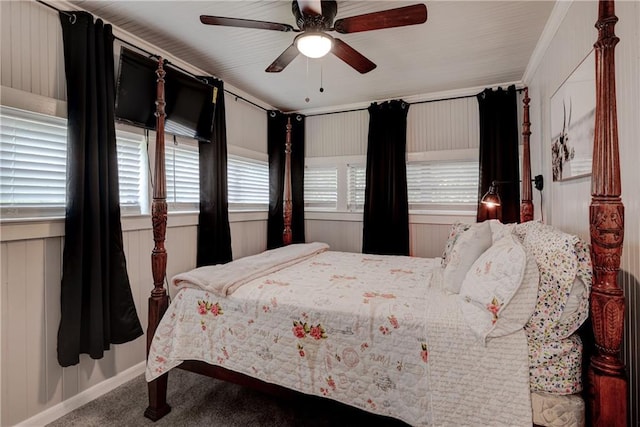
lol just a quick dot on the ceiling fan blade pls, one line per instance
(352, 57)
(283, 60)
(245, 23)
(399, 17)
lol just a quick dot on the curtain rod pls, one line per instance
(72, 16)
(410, 103)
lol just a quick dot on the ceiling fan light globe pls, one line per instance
(314, 45)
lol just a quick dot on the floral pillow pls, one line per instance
(561, 257)
(499, 291)
(466, 249)
(457, 229)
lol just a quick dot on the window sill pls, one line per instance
(415, 217)
(12, 229)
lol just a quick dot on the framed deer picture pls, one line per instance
(572, 122)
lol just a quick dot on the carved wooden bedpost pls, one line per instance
(606, 219)
(159, 300)
(526, 206)
(287, 206)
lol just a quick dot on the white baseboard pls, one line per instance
(73, 403)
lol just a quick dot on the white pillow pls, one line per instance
(498, 229)
(498, 294)
(457, 228)
(466, 249)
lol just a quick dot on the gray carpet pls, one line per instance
(198, 401)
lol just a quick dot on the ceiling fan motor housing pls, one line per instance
(313, 22)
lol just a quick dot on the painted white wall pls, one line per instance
(566, 206)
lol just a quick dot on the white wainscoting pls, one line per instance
(427, 237)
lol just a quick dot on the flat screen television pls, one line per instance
(189, 108)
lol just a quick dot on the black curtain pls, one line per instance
(96, 303)
(277, 133)
(499, 153)
(214, 234)
(386, 207)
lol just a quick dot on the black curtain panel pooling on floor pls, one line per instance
(97, 307)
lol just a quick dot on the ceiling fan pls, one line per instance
(314, 18)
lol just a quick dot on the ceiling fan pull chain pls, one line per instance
(321, 88)
(307, 99)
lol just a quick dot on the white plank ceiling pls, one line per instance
(463, 44)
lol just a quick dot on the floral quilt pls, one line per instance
(375, 332)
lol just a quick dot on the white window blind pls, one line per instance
(182, 176)
(321, 187)
(131, 172)
(33, 165)
(33, 152)
(356, 182)
(247, 184)
(442, 184)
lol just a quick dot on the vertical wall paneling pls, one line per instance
(143, 265)
(31, 49)
(6, 66)
(16, 359)
(35, 325)
(343, 236)
(248, 238)
(340, 134)
(246, 125)
(4, 348)
(15, 77)
(27, 34)
(53, 268)
(181, 242)
(127, 355)
(443, 125)
(428, 240)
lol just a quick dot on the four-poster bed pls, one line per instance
(606, 393)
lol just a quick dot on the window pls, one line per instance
(442, 184)
(182, 165)
(132, 175)
(33, 158)
(356, 182)
(247, 183)
(321, 187)
(436, 181)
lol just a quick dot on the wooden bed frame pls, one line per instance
(606, 389)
